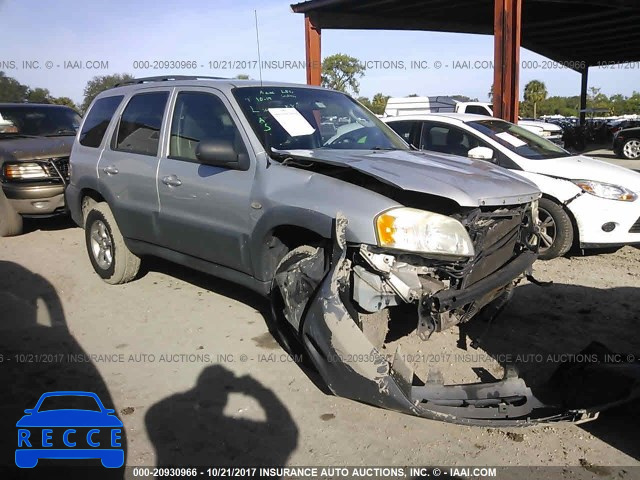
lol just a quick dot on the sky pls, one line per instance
(218, 37)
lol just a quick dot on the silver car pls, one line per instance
(339, 227)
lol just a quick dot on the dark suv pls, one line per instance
(35, 144)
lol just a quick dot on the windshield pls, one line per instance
(66, 402)
(291, 118)
(39, 120)
(519, 140)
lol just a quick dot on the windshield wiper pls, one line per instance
(275, 155)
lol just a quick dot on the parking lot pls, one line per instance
(177, 348)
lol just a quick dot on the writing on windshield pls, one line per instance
(292, 118)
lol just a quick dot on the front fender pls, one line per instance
(558, 188)
(310, 220)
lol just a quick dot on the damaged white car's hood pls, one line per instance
(470, 183)
(581, 167)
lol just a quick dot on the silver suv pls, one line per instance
(339, 226)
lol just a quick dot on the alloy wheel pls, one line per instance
(631, 149)
(101, 245)
(548, 230)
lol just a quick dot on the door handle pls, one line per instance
(110, 170)
(172, 181)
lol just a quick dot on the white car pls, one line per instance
(586, 202)
(401, 106)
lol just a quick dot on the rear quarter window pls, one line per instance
(98, 120)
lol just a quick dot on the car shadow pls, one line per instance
(59, 222)
(38, 354)
(201, 427)
(590, 252)
(233, 291)
(542, 327)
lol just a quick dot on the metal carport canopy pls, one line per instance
(580, 32)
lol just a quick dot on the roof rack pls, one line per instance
(166, 78)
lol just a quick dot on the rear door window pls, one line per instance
(140, 124)
(447, 139)
(98, 120)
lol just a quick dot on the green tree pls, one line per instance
(39, 95)
(12, 90)
(632, 105)
(597, 99)
(413, 95)
(379, 103)
(99, 84)
(242, 76)
(65, 101)
(463, 98)
(490, 94)
(535, 92)
(366, 102)
(341, 72)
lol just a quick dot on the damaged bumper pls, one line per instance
(352, 367)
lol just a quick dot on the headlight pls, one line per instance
(606, 190)
(24, 171)
(420, 231)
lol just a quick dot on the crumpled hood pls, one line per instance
(34, 148)
(470, 183)
(580, 167)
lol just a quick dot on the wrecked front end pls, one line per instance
(359, 279)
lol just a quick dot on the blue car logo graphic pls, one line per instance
(52, 430)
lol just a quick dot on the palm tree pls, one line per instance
(535, 92)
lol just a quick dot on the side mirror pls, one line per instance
(221, 153)
(29, 411)
(109, 411)
(480, 153)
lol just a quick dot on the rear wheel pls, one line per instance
(10, 220)
(631, 149)
(556, 230)
(109, 255)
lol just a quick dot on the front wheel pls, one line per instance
(631, 149)
(556, 230)
(296, 279)
(109, 255)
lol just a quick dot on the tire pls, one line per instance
(109, 255)
(556, 230)
(631, 149)
(10, 220)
